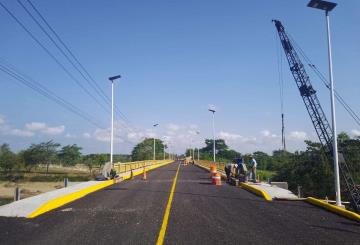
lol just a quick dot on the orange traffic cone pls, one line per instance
(144, 175)
(216, 179)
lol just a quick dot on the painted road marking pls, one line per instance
(162, 232)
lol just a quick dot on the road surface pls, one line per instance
(132, 212)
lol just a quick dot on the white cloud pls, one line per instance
(229, 136)
(54, 130)
(297, 135)
(173, 127)
(102, 135)
(7, 129)
(70, 136)
(355, 132)
(86, 135)
(21, 133)
(35, 126)
(267, 134)
(43, 128)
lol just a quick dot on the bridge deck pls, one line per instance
(132, 212)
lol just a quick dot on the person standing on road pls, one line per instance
(253, 165)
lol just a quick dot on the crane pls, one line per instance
(316, 113)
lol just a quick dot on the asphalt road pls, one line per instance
(132, 212)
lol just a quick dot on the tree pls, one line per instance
(223, 153)
(70, 155)
(8, 159)
(220, 146)
(145, 150)
(43, 153)
(95, 160)
(342, 137)
(264, 161)
(351, 149)
(309, 169)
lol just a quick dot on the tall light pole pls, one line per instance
(198, 155)
(213, 125)
(192, 149)
(327, 7)
(164, 138)
(112, 79)
(155, 125)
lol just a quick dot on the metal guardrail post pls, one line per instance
(17, 194)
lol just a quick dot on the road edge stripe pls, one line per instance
(162, 232)
(257, 191)
(62, 200)
(333, 208)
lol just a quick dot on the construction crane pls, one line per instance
(316, 113)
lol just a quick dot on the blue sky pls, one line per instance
(176, 59)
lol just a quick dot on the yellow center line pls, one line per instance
(162, 232)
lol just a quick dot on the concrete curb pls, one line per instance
(247, 187)
(333, 208)
(62, 200)
(256, 191)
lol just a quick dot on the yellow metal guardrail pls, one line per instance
(128, 166)
(219, 165)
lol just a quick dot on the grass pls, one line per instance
(4, 201)
(265, 174)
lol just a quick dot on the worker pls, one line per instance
(253, 165)
(242, 170)
(227, 171)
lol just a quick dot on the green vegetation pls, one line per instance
(223, 153)
(266, 174)
(145, 150)
(4, 201)
(33, 163)
(51, 162)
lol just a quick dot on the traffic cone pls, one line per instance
(144, 175)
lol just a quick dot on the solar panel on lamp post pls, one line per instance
(112, 79)
(327, 7)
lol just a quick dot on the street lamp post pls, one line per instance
(164, 146)
(112, 79)
(327, 7)
(213, 125)
(198, 155)
(192, 149)
(155, 125)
